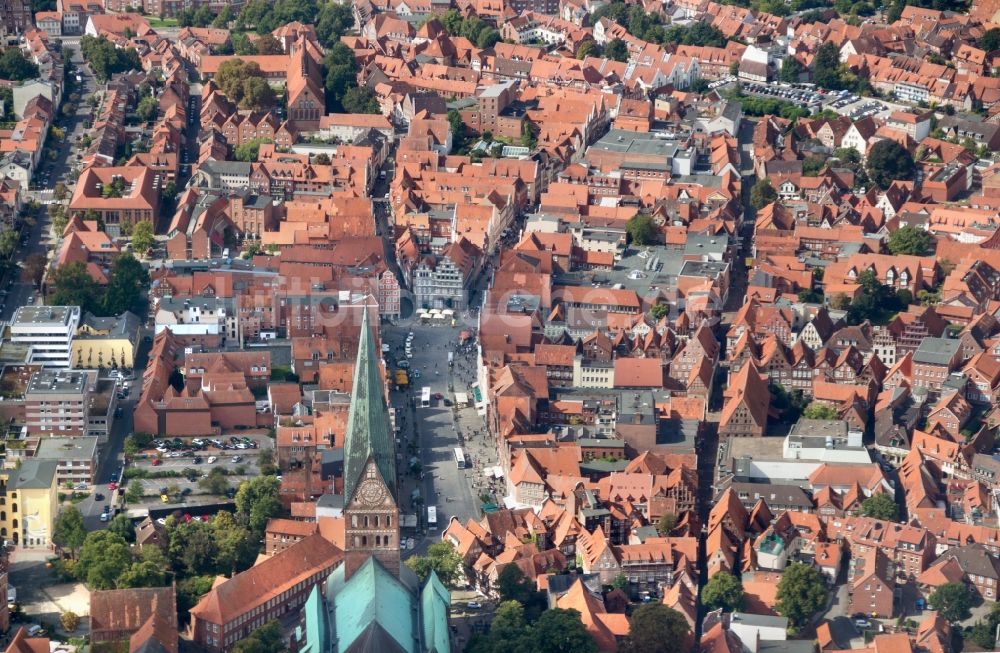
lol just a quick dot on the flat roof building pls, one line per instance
(57, 402)
(48, 332)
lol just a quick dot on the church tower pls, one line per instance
(371, 509)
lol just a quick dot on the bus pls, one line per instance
(432, 517)
(425, 397)
(460, 457)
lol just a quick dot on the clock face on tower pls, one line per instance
(371, 492)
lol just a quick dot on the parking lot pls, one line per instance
(174, 467)
(798, 94)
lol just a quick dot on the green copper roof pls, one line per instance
(434, 601)
(373, 596)
(368, 432)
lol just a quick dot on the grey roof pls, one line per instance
(786, 646)
(496, 89)
(225, 167)
(369, 435)
(33, 475)
(974, 559)
(759, 620)
(126, 324)
(774, 494)
(78, 448)
(936, 351)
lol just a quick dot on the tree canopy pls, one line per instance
(105, 59)
(880, 506)
(724, 591)
(68, 531)
(640, 229)
(15, 67)
(801, 593)
(244, 83)
(990, 40)
(442, 559)
(887, 162)
(249, 150)
(819, 410)
(555, 631)
(257, 501)
(266, 639)
(127, 287)
(512, 585)
(142, 236)
(910, 240)
(876, 302)
(762, 193)
(952, 601)
(616, 50)
(656, 628)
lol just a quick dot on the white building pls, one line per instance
(48, 333)
(755, 628)
(827, 441)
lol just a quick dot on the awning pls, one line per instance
(438, 316)
(463, 336)
(461, 398)
(435, 311)
(447, 311)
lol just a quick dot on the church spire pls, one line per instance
(369, 435)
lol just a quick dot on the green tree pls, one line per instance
(244, 83)
(242, 45)
(791, 69)
(321, 159)
(268, 44)
(266, 639)
(127, 287)
(341, 75)
(360, 100)
(223, 18)
(616, 50)
(562, 631)
(458, 130)
(72, 285)
(640, 229)
(659, 311)
(105, 59)
(122, 525)
(192, 548)
(587, 49)
(248, 151)
(990, 40)
(334, 20)
(216, 482)
(910, 240)
(952, 601)
(819, 410)
(34, 269)
(15, 67)
(880, 506)
(237, 546)
(762, 194)
(143, 574)
(104, 557)
(257, 501)
(147, 108)
(69, 621)
(801, 593)
(512, 585)
(68, 532)
(509, 632)
(8, 243)
(655, 628)
(723, 590)
(143, 237)
(203, 16)
(442, 559)
(887, 162)
(826, 68)
(134, 492)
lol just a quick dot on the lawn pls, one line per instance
(161, 22)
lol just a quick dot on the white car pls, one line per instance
(211, 459)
